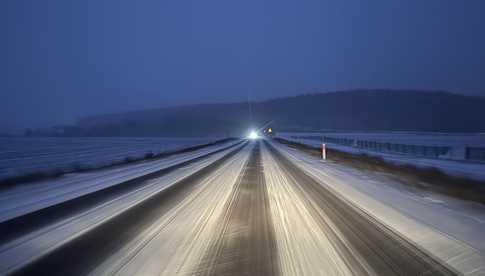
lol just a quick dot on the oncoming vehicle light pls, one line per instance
(253, 135)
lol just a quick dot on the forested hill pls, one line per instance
(365, 110)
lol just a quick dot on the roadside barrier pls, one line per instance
(473, 154)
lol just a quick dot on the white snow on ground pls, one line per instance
(474, 171)
(23, 199)
(451, 229)
(304, 248)
(402, 137)
(25, 249)
(165, 249)
(24, 155)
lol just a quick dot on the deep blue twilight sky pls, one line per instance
(61, 60)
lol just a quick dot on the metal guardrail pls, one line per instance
(438, 152)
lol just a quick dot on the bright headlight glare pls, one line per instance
(253, 135)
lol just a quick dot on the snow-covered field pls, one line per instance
(21, 199)
(411, 138)
(20, 156)
(453, 162)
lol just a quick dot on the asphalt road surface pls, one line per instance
(250, 212)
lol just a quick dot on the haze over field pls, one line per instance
(359, 110)
(65, 60)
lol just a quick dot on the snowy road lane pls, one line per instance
(248, 211)
(38, 249)
(349, 240)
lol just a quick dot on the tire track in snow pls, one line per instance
(245, 242)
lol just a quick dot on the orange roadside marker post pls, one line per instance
(324, 151)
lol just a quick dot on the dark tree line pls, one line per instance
(361, 110)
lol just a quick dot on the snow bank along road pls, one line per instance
(244, 210)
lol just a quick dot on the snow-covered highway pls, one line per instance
(241, 208)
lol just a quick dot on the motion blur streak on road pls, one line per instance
(245, 241)
(175, 242)
(253, 212)
(304, 247)
(114, 245)
(338, 239)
